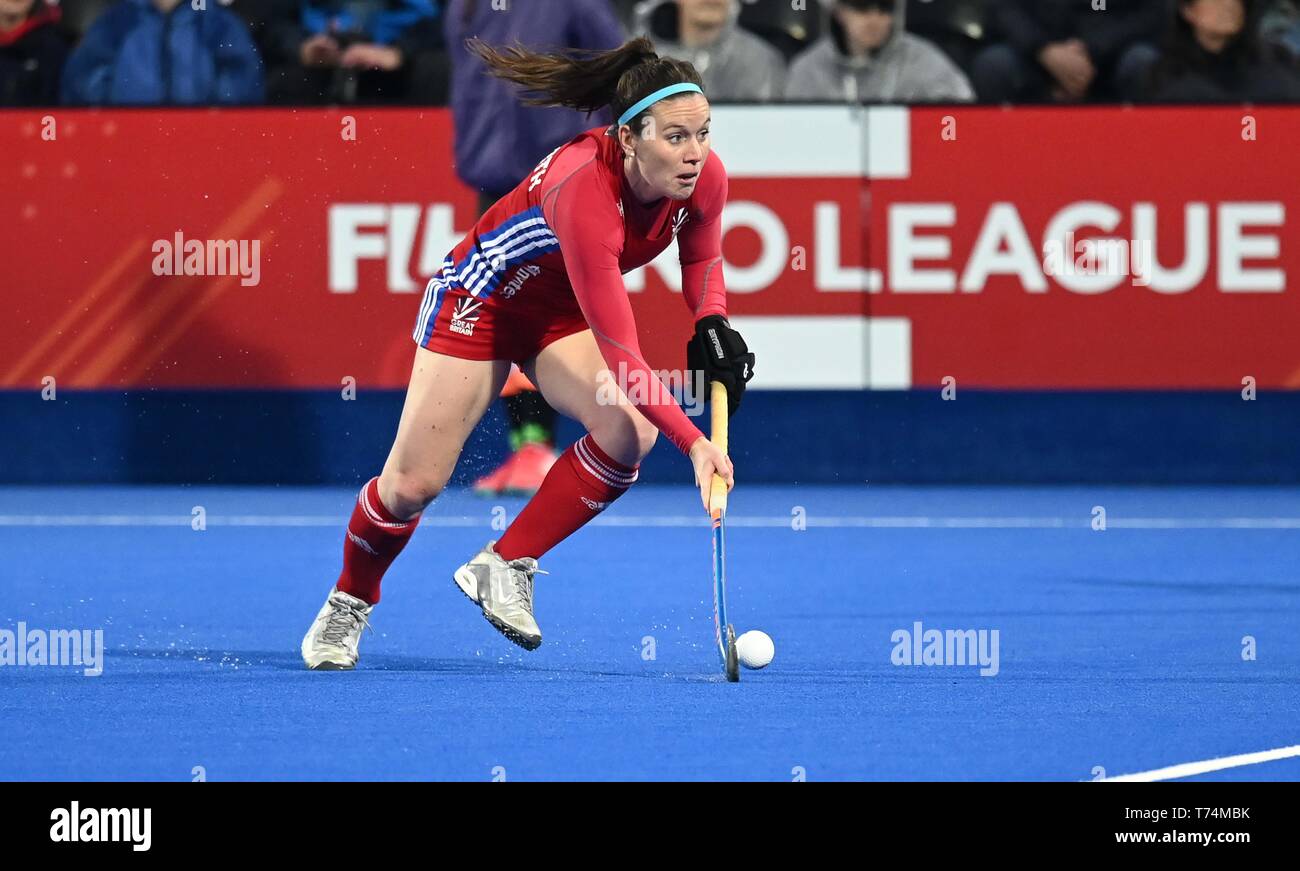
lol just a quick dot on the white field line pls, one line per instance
(1191, 769)
(685, 520)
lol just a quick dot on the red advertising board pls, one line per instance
(1220, 186)
(340, 216)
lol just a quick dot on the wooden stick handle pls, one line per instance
(718, 493)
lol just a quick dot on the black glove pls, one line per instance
(723, 355)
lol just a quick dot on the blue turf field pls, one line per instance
(1118, 648)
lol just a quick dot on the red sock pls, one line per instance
(582, 483)
(375, 538)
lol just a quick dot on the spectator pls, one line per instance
(329, 51)
(869, 56)
(1065, 50)
(149, 52)
(498, 143)
(735, 64)
(1280, 24)
(1215, 55)
(268, 21)
(32, 52)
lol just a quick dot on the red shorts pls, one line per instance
(453, 322)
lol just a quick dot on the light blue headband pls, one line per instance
(661, 94)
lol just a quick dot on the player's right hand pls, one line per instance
(722, 354)
(708, 459)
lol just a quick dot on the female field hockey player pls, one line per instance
(538, 282)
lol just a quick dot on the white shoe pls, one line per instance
(504, 590)
(332, 641)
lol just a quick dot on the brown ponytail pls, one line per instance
(587, 80)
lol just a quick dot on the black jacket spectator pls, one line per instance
(1216, 55)
(1066, 50)
(32, 52)
(1029, 25)
(349, 51)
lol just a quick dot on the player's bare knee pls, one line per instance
(624, 434)
(406, 495)
(646, 435)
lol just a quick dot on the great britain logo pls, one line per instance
(464, 316)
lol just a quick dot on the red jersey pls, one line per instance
(556, 247)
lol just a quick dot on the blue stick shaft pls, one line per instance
(719, 586)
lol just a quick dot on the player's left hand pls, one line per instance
(709, 460)
(723, 355)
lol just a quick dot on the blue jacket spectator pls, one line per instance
(499, 141)
(150, 52)
(382, 22)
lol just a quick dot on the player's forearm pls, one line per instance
(630, 380)
(703, 288)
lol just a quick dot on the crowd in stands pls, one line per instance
(303, 52)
